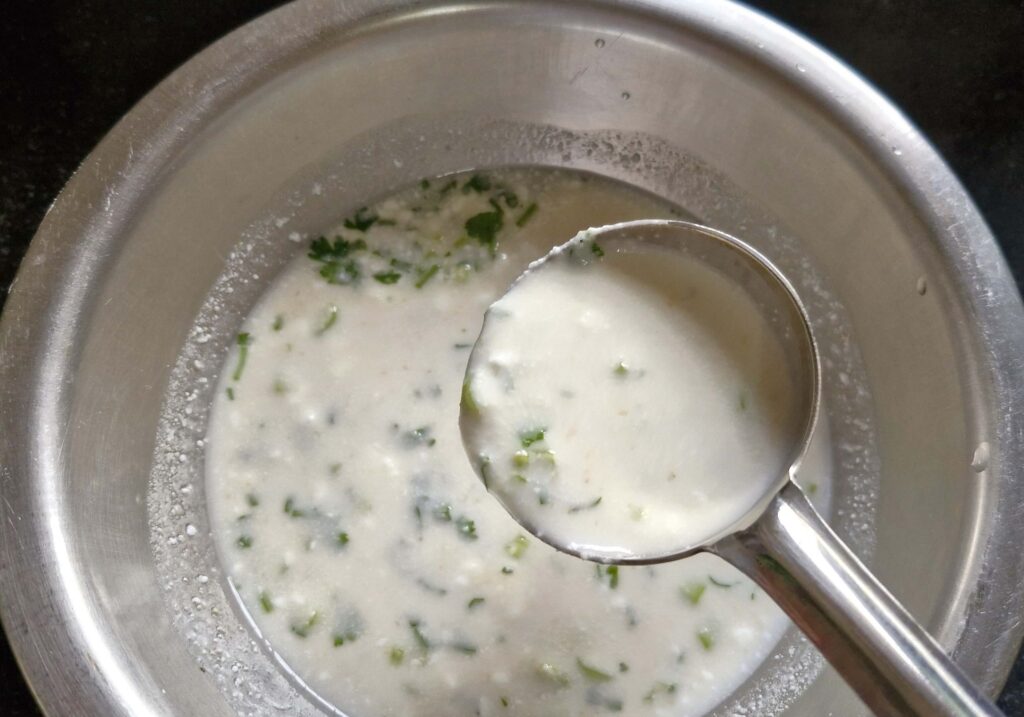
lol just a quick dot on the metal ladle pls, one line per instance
(782, 543)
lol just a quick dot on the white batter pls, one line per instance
(627, 403)
(354, 528)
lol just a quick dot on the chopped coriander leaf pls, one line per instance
(504, 701)
(553, 675)
(340, 273)
(230, 393)
(706, 638)
(304, 627)
(720, 583)
(266, 604)
(660, 688)
(396, 656)
(323, 250)
(467, 528)
(419, 437)
(596, 249)
(506, 570)
(460, 347)
(341, 539)
(332, 318)
(387, 277)
(476, 183)
(516, 547)
(592, 673)
(443, 513)
(511, 200)
(362, 220)
(424, 183)
(464, 647)
(693, 592)
(290, 509)
(484, 227)
(529, 437)
(623, 667)
(244, 541)
(426, 275)
(243, 341)
(252, 499)
(586, 506)
(527, 214)
(474, 602)
(612, 571)
(278, 323)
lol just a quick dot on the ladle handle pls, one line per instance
(883, 654)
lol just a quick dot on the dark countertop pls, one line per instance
(69, 69)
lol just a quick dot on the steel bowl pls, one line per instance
(150, 257)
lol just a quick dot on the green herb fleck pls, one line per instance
(426, 275)
(623, 667)
(266, 604)
(527, 214)
(279, 386)
(290, 509)
(660, 688)
(244, 341)
(693, 592)
(611, 572)
(244, 541)
(396, 656)
(553, 675)
(706, 638)
(464, 647)
(484, 227)
(474, 602)
(621, 369)
(720, 583)
(338, 267)
(362, 220)
(529, 437)
(467, 528)
(812, 488)
(419, 437)
(387, 277)
(304, 627)
(586, 506)
(516, 547)
(520, 458)
(506, 570)
(278, 323)
(341, 539)
(504, 701)
(592, 673)
(332, 318)
(596, 249)
(424, 184)
(476, 183)
(230, 393)
(252, 499)
(418, 636)
(743, 400)
(448, 187)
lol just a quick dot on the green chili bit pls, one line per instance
(553, 675)
(527, 214)
(693, 592)
(529, 437)
(426, 275)
(244, 541)
(332, 318)
(303, 628)
(387, 277)
(706, 638)
(592, 673)
(475, 602)
(468, 400)
(243, 341)
(266, 603)
(516, 547)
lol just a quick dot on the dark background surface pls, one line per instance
(69, 70)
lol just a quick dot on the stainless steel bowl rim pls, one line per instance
(41, 588)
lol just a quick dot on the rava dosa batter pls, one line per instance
(353, 527)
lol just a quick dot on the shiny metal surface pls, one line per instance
(782, 542)
(110, 289)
